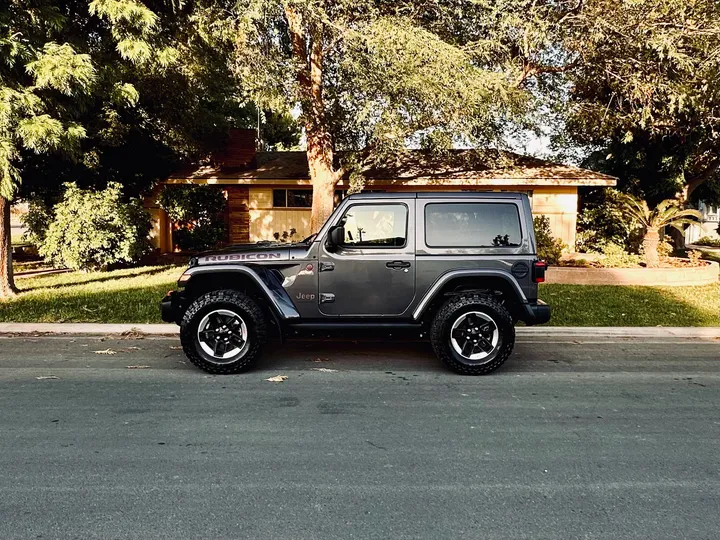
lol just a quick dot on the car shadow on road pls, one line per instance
(351, 355)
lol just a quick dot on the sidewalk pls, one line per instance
(535, 331)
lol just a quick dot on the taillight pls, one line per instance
(539, 268)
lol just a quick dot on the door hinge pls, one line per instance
(327, 298)
(326, 266)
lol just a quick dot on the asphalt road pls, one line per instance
(572, 439)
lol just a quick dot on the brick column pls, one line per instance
(238, 214)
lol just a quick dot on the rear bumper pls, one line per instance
(536, 313)
(172, 307)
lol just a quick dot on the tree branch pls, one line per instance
(531, 69)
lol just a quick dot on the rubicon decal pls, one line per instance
(242, 257)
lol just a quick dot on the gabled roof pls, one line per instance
(414, 168)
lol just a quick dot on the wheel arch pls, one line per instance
(494, 282)
(261, 283)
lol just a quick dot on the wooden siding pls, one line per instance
(560, 205)
(266, 220)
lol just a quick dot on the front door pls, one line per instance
(373, 272)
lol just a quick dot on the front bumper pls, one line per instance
(172, 307)
(536, 313)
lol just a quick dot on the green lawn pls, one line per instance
(607, 305)
(129, 295)
(132, 296)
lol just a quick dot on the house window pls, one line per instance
(292, 198)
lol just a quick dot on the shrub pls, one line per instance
(665, 249)
(197, 212)
(707, 241)
(605, 220)
(694, 255)
(91, 229)
(615, 256)
(549, 249)
(37, 220)
(285, 236)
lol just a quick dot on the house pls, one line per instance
(271, 192)
(708, 225)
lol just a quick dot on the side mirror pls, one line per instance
(336, 237)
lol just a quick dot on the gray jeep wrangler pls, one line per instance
(460, 268)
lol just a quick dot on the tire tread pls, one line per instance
(444, 317)
(257, 328)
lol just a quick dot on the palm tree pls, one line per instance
(668, 213)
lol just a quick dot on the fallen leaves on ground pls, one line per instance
(324, 370)
(106, 352)
(133, 333)
(277, 378)
(46, 377)
(138, 367)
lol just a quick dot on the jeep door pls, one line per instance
(372, 273)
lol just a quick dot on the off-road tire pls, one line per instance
(238, 303)
(450, 312)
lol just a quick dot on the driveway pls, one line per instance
(574, 438)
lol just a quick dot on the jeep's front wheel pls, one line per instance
(223, 331)
(473, 334)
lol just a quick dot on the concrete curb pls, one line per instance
(534, 331)
(87, 328)
(683, 332)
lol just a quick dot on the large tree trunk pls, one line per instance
(307, 45)
(7, 283)
(650, 243)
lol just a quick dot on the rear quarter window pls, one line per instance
(472, 225)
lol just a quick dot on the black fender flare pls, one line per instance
(266, 281)
(441, 281)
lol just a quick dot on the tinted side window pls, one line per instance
(375, 225)
(472, 225)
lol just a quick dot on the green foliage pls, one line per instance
(615, 256)
(644, 90)
(286, 236)
(431, 73)
(694, 255)
(665, 249)
(602, 220)
(707, 241)
(93, 229)
(197, 211)
(125, 90)
(37, 220)
(549, 249)
(59, 67)
(668, 213)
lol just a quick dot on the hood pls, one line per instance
(265, 251)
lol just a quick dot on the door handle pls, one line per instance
(398, 264)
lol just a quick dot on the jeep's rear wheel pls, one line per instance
(223, 331)
(473, 334)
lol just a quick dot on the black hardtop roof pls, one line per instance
(439, 195)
